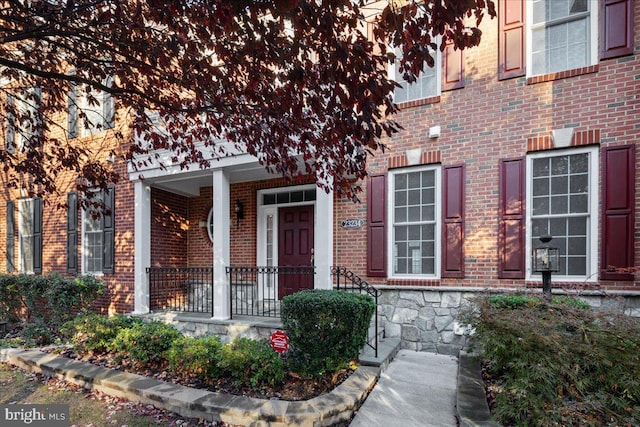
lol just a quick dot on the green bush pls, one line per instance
(196, 357)
(251, 363)
(67, 296)
(10, 298)
(146, 343)
(51, 299)
(327, 329)
(514, 301)
(559, 364)
(95, 333)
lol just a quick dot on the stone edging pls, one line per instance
(472, 407)
(336, 406)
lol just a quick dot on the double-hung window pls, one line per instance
(92, 241)
(427, 84)
(98, 234)
(563, 35)
(30, 235)
(562, 203)
(415, 232)
(97, 109)
(23, 119)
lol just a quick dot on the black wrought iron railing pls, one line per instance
(346, 280)
(188, 289)
(256, 291)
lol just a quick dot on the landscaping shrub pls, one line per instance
(145, 343)
(196, 357)
(51, 299)
(95, 333)
(559, 363)
(10, 299)
(68, 296)
(251, 363)
(327, 329)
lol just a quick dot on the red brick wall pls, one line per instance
(490, 119)
(169, 229)
(200, 247)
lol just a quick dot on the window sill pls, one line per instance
(562, 74)
(419, 102)
(418, 281)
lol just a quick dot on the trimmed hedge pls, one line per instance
(51, 299)
(327, 329)
(146, 343)
(251, 362)
(196, 357)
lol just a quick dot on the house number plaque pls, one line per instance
(351, 223)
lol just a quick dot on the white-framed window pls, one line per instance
(562, 202)
(427, 85)
(92, 240)
(414, 213)
(562, 35)
(210, 224)
(26, 231)
(23, 119)
(97, 107)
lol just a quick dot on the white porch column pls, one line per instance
(221, 241)
(142, 246)
(323, 239)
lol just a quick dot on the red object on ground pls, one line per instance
(279, 341)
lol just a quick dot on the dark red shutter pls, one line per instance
(511, 39)
(453, 221)
(11, 235)
(453, 68)
(108, 231)
(376, 233)
(616, 28)
(72, 232)
(618, 210)
(511, 233)
(37, 235)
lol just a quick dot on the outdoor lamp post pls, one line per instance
(545, 260)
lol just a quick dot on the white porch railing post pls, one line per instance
(221, 241)
(142, 246)
(323, 239)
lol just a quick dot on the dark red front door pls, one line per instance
(295, 249)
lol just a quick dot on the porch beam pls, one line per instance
(142, 246)
(221, 243)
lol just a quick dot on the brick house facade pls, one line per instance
(514, 139)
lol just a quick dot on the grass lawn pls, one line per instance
(87, 408)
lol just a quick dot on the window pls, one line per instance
(23, 119)
(30, 235)
(98, 235)
(562, 193)
(414, 213)
(92, 240)
(97, 107)
(563, 35)
(210, 224)
(426, 86)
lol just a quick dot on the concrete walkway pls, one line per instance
(417, 389)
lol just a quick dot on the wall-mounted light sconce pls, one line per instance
(239, 209)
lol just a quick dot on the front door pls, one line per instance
(295, 249)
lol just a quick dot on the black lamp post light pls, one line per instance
(546, 259)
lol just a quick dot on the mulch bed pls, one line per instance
(294, 387)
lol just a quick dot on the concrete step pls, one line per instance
(387, 350)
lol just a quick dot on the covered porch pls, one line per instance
(234, 238)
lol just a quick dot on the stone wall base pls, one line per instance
(426, 318)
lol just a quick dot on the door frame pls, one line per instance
(263, 211)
